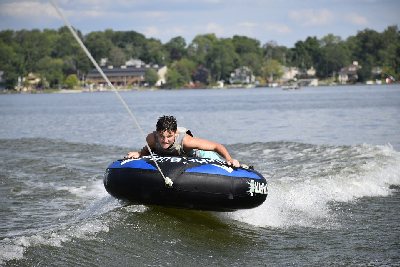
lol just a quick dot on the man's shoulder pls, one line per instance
(184, 130)
(151, 137)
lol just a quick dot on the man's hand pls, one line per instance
(234, 163)
(132, 155)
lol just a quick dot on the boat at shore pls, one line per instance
(290, 87)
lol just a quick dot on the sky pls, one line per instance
(285, 22)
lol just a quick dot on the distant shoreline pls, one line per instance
(76, 91)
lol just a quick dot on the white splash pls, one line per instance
(305, 201)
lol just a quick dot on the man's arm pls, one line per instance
(150, 139)
(197, 143)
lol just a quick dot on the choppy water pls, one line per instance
(331, 156)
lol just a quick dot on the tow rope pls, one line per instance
(167, 180)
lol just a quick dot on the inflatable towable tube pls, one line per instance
(198, 183)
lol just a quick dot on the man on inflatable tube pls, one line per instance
(171, 140)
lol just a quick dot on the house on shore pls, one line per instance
(349, 74)
(29, 83)
(242, 75)
(126, 75)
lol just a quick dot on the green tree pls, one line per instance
(54, 54)
(249, 53)
(67, 48)
(306, 54)
(71, 81)
(65, 44)
(244, 45)
(154, 52)
(334, 55)
(221, 59)
(282, 54)
(253, 61)
(200, 47)
(51, 69)
(116, 57)
(9, 64)
(176, 48)
(98, 44)
(365, 49)
(174, 79)
(390, 55)
(32, 47)
(272, 70)
(7, 36)
(201, 75)
(151, 77)
(131, 42)
(185, 68)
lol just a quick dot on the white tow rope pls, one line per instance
(167, 180)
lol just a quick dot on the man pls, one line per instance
(168, 139)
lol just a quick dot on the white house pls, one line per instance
(289, 73)
(242, 75)
(349, 73)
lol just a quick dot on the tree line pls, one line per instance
(57, 58)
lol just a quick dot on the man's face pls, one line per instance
(167, 138)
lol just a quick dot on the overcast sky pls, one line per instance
(285, 22)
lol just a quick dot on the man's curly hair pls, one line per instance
(166, 123)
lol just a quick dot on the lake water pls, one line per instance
(331, 156)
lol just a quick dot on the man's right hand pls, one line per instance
(132, 155)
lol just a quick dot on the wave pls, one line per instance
(63, 183)
(53, 193)
(305, 180)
